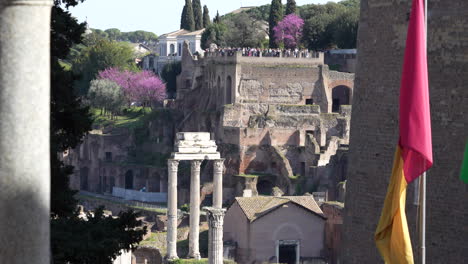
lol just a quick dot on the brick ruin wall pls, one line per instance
(374, 130)
(276, 113)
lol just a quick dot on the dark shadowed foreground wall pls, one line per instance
(374, 129)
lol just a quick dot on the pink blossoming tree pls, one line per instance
(143, 87)
(289, 31)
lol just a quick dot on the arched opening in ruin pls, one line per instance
(129, 179)
(229, 90)
(340, 96)
(84, 174)
(264, 187)
(172, 49)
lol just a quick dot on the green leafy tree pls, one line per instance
(261, 13)
(187, 20)
(97, 239)
(70, 119)
(206, 16)
(113, 33)
(331, 25)
(74, 239)
(197, 14)
(290, 7)
(169, 75)
(317, 34)
(276, 15)
(106, 95)
(243, 31)
(141, 36)
(345, 29)
(214, 33)
(103, 55)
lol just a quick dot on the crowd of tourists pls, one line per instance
(257, 52)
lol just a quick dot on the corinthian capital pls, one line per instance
(195, 165)
(173, 165)
(218, 165)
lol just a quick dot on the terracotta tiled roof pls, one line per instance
(256, 207)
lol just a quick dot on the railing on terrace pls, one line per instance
(114, 199)
(299, 54)
(151, 197)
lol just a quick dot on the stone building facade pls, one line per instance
(276, 230)
(272, 117)
(374, 130)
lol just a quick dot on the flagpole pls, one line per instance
(422, 180)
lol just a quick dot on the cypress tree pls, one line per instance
(217, 18)
(182, 17)
(206, 16)
(276, 15)
(290, 7)
(187, 21)
(197, 14)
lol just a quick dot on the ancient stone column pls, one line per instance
(172, 209)
(218, 166)
(24, 131)
(215, 234)
(194, 251)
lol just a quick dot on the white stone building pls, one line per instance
(170, 48)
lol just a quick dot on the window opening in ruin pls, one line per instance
(273, 165)
(340, 96)
(129, 179)
(264, 187)
(179, 50)
(303, 168)
(309, 101)
(229, 90)
(108, 156)
(84, 172)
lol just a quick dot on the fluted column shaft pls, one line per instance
(25, 131)
(215, 234)
(218, 167)
(194, 251)
(172, 210)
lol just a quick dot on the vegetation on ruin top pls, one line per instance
(335, 203)
(255, 175)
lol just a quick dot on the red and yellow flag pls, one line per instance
(413, 155)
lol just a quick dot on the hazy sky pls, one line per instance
(158, 16)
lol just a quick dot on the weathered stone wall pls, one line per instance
(374, 130)
(333, 230)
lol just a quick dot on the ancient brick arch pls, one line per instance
(341, 92)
